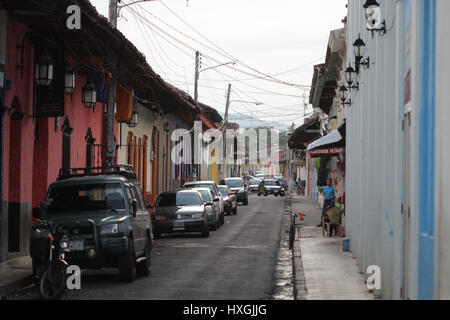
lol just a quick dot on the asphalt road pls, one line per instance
(236, 262)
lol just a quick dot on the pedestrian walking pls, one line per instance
(329, 199)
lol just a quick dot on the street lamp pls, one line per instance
(88, 95)
(343, 96)
(359, 47)
(69, 80)
(43, 69)
(373, 17)
(350, 77)
(134, 120)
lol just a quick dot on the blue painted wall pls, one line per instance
(427, 150)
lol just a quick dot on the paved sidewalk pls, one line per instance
(15, 274)
(322, 270)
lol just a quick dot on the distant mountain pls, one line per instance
(252, 123)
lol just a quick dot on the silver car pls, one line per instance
(212, 208)
(212, 185)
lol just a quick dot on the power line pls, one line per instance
(264, 77)
(227, 54)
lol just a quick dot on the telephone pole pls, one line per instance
(110, 121)
(197, 74)
(224, 136)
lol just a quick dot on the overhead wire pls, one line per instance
(227, 54)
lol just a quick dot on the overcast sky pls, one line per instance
(269, 36)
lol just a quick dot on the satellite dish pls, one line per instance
(373, 17)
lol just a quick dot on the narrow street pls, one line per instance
(237, 262)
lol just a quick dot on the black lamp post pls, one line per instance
(89, 95)
(359, 47)
(43, 69)
(373, 17)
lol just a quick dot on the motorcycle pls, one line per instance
(52, 274)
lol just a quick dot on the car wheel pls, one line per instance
(143, 267)
(246, 202)
(235, 210)
(265, 194)
(214, 226)
(205, 232)
(222, 219)
(218, 223)
(276, 195)
(259, 194)
(127, 263)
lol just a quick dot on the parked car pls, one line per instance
(212, 185)
(254, 185)
(229, 199)
(260, 176)
(180, 211)
(105, 216)
(212, 208)
(248, 178)
(270, 186)
(237, 186)
(278, 177)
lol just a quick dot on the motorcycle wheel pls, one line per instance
(52, 286)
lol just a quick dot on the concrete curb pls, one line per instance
(17, 284)
(300, 291)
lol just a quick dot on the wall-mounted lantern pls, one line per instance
(359, 47)
(343, 96)
(43, 69)
(69, 80)
(134, 120)
(373, 17)
(350, 77)
(89, 95)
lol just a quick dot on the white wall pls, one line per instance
(442, 283)
(145, 125)
(374, 149)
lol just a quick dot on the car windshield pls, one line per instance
(205, 195)
(254, 182)
(234, 183)
(270, 183)
(178, 200)
(202, 185)
(86, 197)
(223, 191)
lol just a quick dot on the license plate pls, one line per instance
(178, 224)
(160, 218)
(77, 245)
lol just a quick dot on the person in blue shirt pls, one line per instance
(329, 198)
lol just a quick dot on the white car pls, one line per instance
(259, 176)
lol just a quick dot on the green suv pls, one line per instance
(105, 215)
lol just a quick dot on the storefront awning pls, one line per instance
(331, 138)
(334, 140)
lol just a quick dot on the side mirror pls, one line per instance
(134, 207)
(216, 199)
(208, 203)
